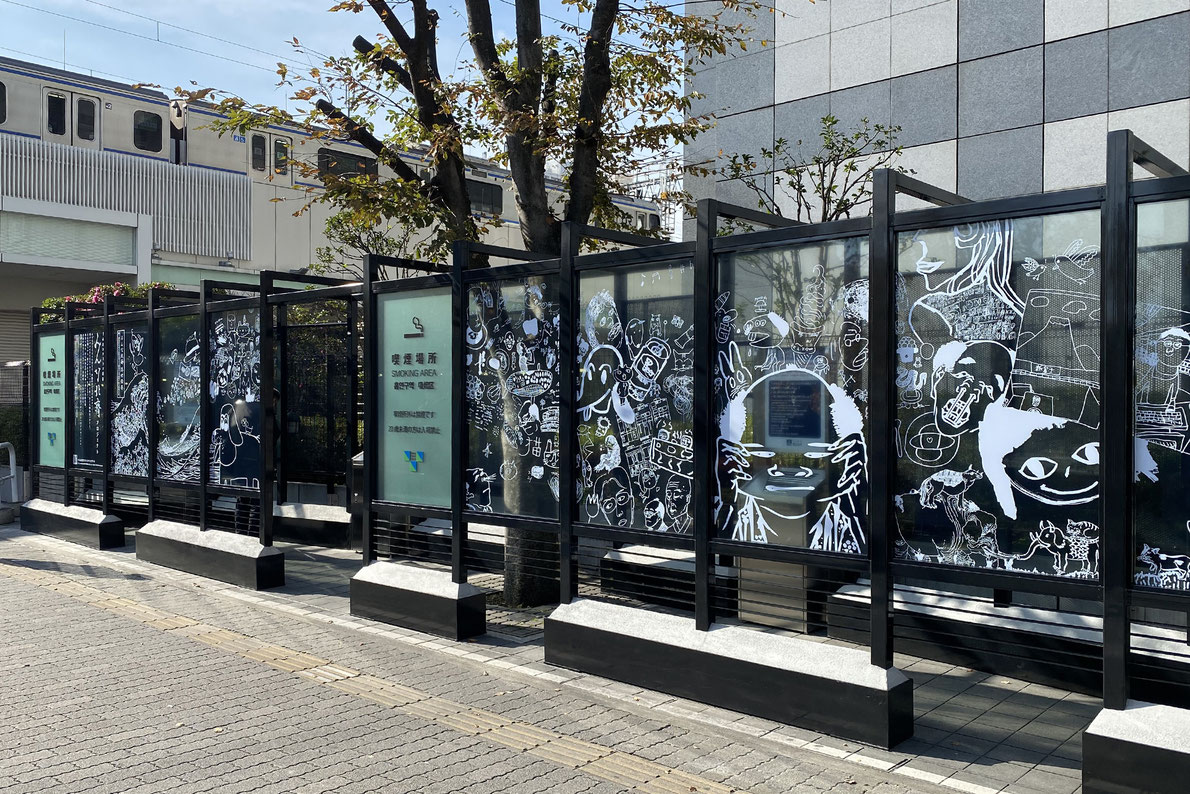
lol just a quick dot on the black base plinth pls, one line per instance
(223, 556)
(312, 525)
(83, 525)
(419, 598)
(1144, 747)
(798, 682)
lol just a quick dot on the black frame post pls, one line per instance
(33, 428)
(704, 462)
(268, 431)
(68, 405)
(204, 405)
(151, 423)
(281, 349)
(1116, 340)
(567, 325)
(109, 371)
(371, 403)
(882, 461)
(461, 256)
(353, 445)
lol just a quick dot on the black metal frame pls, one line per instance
(1124, 150)
(273, 352)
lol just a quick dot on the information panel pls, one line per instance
(415, 397)
(51, 403)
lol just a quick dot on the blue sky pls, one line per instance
(138, 41)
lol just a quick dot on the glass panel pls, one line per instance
(56, 114)
(317, 392)
(415, 396)
(86, 119)
(791, 396)
(258, 152)
(88, 399)
(51, 404)
(178, 422)
(3, 103)
(235, 398)
(281, 156)
(635, 396)
(998, 395)
(146, 131)
(512, 397)
(1162, 492)
(130, 403)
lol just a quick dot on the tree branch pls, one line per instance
(393, 25)
(597, 82)
(479, 25)
(358, 133)
(383, 62)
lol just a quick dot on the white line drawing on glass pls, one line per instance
(635, 401)
(234, 388)
(178, 446)
(998, 400)
(512, 397)
(130, 405)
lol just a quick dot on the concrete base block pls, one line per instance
(787, 679)
(418, 598)
(1144, 747)
(226, 557)
(84, 525)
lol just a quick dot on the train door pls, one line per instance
(86, 121)
(282, 168)
(70, 118)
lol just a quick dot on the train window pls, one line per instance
(86, 119)
(485, 197)
(146, 131)
(280, 156)
(3, 103)
(259, 151)
(55, 110)
(345, 164)
(654, 221)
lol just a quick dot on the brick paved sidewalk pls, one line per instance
(118, 675)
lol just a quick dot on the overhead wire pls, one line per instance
(124, 32)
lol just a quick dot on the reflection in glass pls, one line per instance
(178, 424)
(88, 399)
(998, 395)
(635, 397)
(791, 396)
(512, 397)
(1161, 506)
(130, 402)
(235, 398)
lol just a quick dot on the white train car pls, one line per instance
(265, 154)
(78, 110)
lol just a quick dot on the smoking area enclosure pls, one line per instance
(745, 468)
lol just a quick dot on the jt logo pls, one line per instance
(415, 459)
(52, 438)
